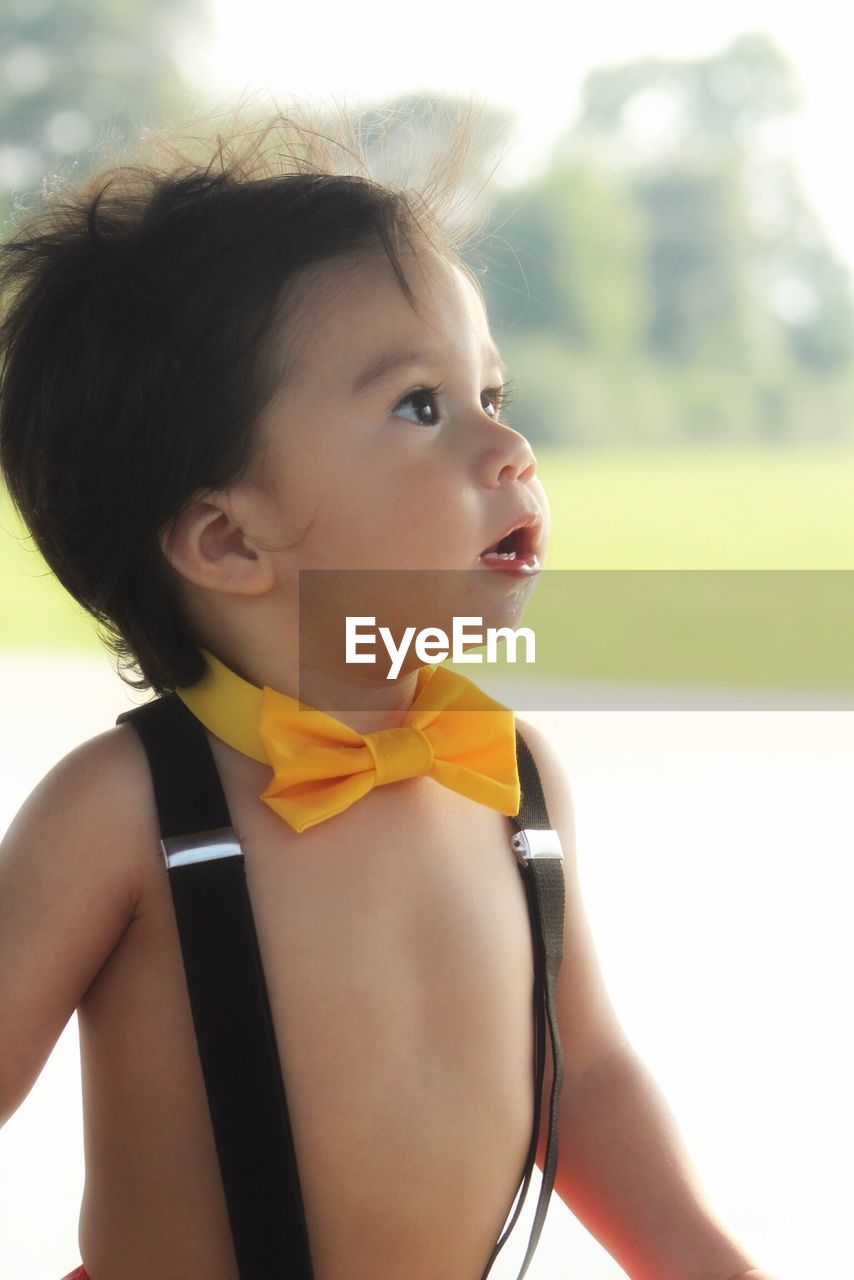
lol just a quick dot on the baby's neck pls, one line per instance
(364, 703)
(263, 647)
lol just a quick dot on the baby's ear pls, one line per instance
(206, 544)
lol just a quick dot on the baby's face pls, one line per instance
(380, 472)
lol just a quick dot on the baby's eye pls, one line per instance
(424, 397)
(499, 397)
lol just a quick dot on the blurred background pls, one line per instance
(667, 253)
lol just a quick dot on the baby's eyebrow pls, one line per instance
(390, 361)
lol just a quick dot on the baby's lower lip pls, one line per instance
(522, 563)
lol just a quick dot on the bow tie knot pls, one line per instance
(453, 733)
(399, 753)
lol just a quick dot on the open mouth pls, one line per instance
(517, 549)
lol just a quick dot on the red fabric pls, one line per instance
(79, 1274)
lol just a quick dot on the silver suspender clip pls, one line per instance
(533, 842)
(201, 846)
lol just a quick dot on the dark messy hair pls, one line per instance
(141, 308)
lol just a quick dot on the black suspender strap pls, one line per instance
(230, 1003)
(228, 995)
(540, 855)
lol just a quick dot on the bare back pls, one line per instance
(397, 950)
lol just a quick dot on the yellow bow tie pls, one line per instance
(322, 766)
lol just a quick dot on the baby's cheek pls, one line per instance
(539, 492)
(541, 497)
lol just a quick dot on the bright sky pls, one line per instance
(533, 61)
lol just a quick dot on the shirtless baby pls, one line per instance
(218, 375)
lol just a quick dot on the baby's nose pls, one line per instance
(507, 456)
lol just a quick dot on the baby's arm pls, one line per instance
(622, 1166)
(69, 883)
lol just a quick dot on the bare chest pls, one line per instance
(400, 970)
(397, 954)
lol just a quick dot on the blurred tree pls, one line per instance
(569, 256)
(666, 277)
(79, 72)
(698, 264)
(653, 105)
(692, 141)
(807, 287)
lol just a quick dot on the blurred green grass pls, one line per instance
(736, 508)
(724, 508)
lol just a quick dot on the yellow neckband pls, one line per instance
(230, 707)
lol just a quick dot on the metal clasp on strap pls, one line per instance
(533, 842)
(201, 846)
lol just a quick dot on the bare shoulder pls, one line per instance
(72, 867)
(93, 809)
